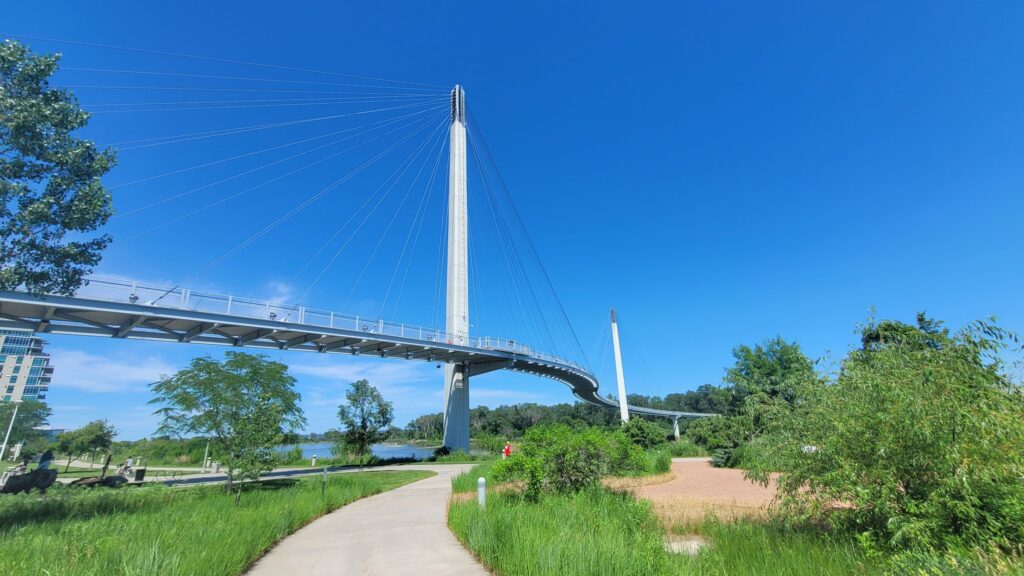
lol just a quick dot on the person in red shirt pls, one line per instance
(507, 451)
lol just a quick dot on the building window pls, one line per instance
(10, 389)
(7, 398)
(17, 369)
(19, 360)
(14, 380)
(3, 358)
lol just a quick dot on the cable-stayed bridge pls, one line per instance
(389, 117)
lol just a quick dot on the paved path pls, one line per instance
(402, 531)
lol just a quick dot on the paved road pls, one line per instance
(402, 531)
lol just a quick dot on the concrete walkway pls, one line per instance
(402, 531)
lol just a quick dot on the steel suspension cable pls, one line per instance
(302, 206)
(250, 171)
(247, 154)
(392, 179)
(229, 131)
(533, 249)
(215, 59)
(391, 223)
(413, 230)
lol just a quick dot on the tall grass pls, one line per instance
(684, 449)
(754, 547)
(168, 531)
(600, 532)
(466, 482)
(589, 533)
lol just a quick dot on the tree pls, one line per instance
(920, 443)
(244, 405)
(94, 436)
(365, 417)
(643, 433)
(32, 414)
(49, 180)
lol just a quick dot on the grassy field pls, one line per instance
(158, 530)
(602, 532)
(599, 532)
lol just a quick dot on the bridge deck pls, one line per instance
(118, 309)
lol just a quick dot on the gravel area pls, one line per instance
(699, 489)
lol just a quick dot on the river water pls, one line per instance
(323, 450)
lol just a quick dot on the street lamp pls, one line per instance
(10, 426)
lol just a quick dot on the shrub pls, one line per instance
(718, 433)
(557, 458)
(920, 437)
(643, 433)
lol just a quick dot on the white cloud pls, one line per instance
(97, 373)
(378, 372)
(280, 293)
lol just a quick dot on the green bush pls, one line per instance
(920, 436)
(643, 433)
(557, 458)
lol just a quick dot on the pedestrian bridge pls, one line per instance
(118, 308)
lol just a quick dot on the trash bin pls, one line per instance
(140, 474)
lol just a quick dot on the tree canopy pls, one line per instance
(244, 405)
(918, 441)
(94, 436)
(50, 185)
(365, 416)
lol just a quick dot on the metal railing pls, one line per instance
(126, 291)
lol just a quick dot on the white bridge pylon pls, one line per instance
(456, 377)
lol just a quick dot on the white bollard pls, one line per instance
(314, 459)
(481, 492)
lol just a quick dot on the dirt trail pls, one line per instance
(699, 489)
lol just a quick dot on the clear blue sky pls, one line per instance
(719, 172)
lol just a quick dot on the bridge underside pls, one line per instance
(82, 316)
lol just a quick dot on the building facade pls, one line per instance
(25, 370)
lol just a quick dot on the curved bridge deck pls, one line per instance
(120, 309)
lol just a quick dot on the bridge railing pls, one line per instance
(120, 290)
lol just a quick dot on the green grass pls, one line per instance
(593, 532)
(461, 457)
(684, 449)
(466, 482)
(750, 547)
(599, 532)
(167, 531)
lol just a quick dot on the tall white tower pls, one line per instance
(623, 410)
(456, 377)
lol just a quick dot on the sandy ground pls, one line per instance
(699, 489)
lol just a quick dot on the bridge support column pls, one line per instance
(675, 429)
(456, 408)
(623, 406)
(456, 378)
